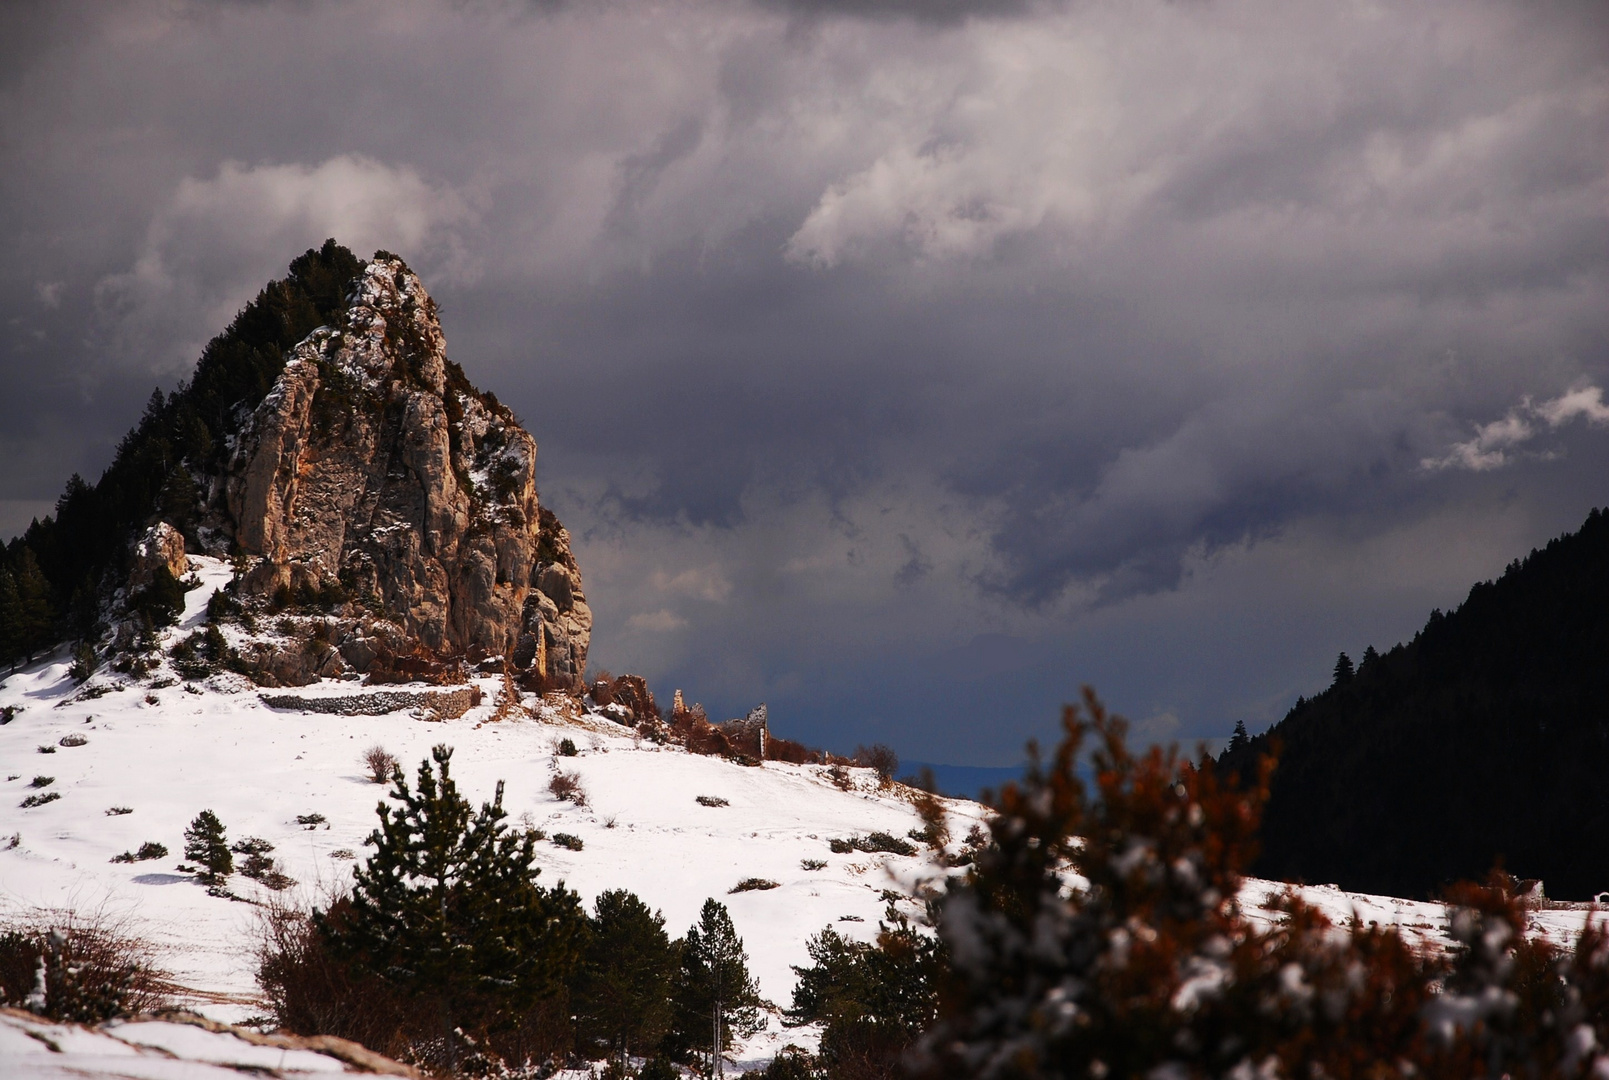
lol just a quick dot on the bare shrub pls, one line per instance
(567, 786)
(711, 800)
(310, 992)
(95, 967)
(880, 758)
(380, 763)
(753, 884)
(568, 841)
(813, 864)
(840, 777)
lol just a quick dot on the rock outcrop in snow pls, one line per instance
(375, 473)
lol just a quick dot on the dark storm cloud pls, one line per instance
(857, 332)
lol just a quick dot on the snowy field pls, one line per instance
(166, 753)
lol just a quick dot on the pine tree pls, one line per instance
(205, 842)
(36, 617)
(624, 995)
(10, 616)
(1238, 741)
(873, 1001)
(1343, 670)
(179, 501)
(716, 997)
(447, 908)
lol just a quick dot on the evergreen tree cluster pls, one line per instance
(872, 1000)
(1483, 740)
(49, 577)
(1099, 932)
(448, 953)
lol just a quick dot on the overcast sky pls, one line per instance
(903, 363)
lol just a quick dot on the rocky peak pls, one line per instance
(376, 486)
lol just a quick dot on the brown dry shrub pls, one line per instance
(380, 764)
(567, 786)
(693, 730)
(880, 758)
(310, 992)
(794, 753)
(96, 966)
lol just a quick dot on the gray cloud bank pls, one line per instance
(1160, 341)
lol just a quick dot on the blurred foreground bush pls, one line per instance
(1102, 937)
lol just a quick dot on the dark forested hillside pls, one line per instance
(1484, 739)
(49, 576)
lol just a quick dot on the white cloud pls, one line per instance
(211, 247)
(663, 621)
(1498, 443)
(704, 583)
(1585, 401)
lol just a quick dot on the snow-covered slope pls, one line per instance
(166, 753)
(172, 1048)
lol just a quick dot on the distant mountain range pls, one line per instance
(1483, 741)
(964, 781)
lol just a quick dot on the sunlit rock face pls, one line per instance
(375, 473)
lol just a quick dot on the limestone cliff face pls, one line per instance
(374, 471)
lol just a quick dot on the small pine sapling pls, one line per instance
(205, 843)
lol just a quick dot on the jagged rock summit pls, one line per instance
(374, 484)
(374, 463)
